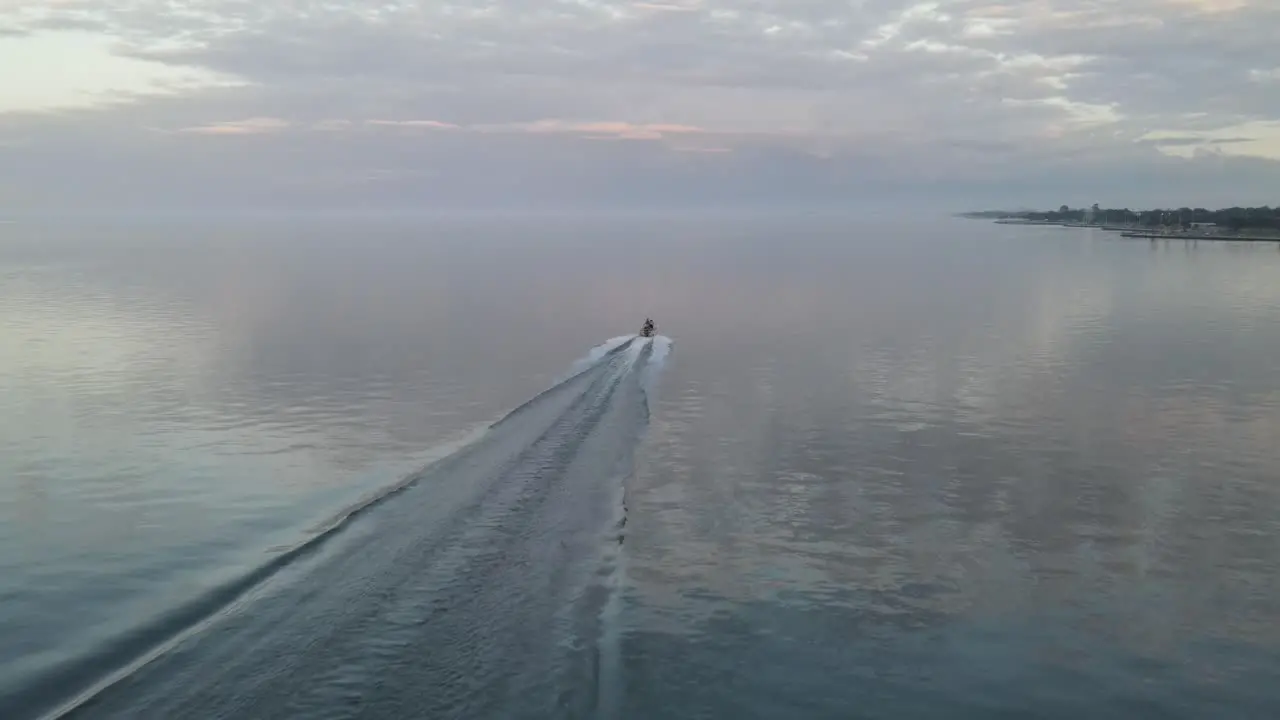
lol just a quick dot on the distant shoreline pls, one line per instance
(1228, 225)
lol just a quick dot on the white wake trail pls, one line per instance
(598, 352)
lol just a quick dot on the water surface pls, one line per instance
(944, 469)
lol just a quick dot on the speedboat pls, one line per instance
(647, 329)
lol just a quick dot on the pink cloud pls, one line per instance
(431, 124)
(612, 130)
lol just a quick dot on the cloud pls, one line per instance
(946, 98)
(332, 125)
(431, 124)
(51, 71)
(663, 7)
(1253, 139)
(251, 126)
(1175, 140)
(608, 130)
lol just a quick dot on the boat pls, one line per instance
(647, 329)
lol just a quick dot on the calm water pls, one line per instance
(946, 470)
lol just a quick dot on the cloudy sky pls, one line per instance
(404, 103)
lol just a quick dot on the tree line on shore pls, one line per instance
(1233, 218)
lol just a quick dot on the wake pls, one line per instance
(483, 585)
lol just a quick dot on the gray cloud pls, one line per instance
(1185, 141)
(820, 101)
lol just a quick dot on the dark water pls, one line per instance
(932, 470)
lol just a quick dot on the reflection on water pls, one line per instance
(951, 470)
(1042, 482)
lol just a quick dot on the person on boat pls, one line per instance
(648, 327)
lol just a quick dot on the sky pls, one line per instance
(861, 104)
